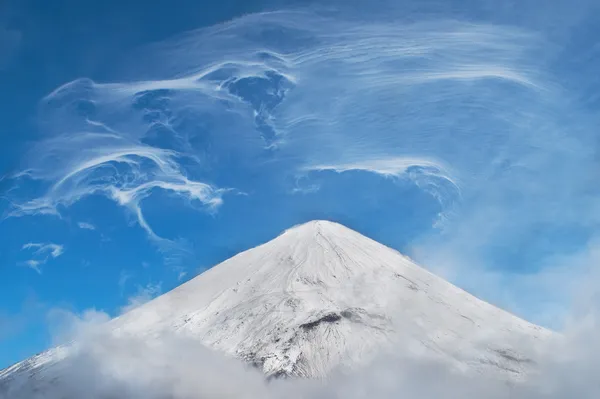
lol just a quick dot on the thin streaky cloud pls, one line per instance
(51, 249)
(106, 151)
(432, 176)
(86, 226)
(34, 265)
(394, 166)
(128, 174)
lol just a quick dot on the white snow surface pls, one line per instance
(322, 297)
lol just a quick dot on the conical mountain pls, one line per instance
(321, 296)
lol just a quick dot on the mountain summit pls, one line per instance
(321, 296)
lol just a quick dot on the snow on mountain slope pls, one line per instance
(322, 296)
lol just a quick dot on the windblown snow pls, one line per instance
(321, 297)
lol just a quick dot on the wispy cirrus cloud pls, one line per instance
(110, 165)
(49, 248)
(34, 264)
(128, 140)
(430, 175)
(86, 226)
(41, 253)
(394, 166)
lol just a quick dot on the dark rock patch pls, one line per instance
(512, 357)
(328, 318)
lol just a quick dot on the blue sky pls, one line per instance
(141, 145)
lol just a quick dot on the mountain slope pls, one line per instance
(322, 296)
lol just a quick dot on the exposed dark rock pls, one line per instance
(512, 357)
(328, 318)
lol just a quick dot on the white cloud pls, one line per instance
(431, 176)
(102, 363)
(51, 249)
(34, 264)
(86, 226)
(42, 252)
(413, 168)
(109, 150)
(111, 165)
(393, 166)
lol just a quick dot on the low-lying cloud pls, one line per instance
(108, 364)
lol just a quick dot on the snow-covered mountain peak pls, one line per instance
(322, 296)
(315, 226)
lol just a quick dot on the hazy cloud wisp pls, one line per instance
(41, 252)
